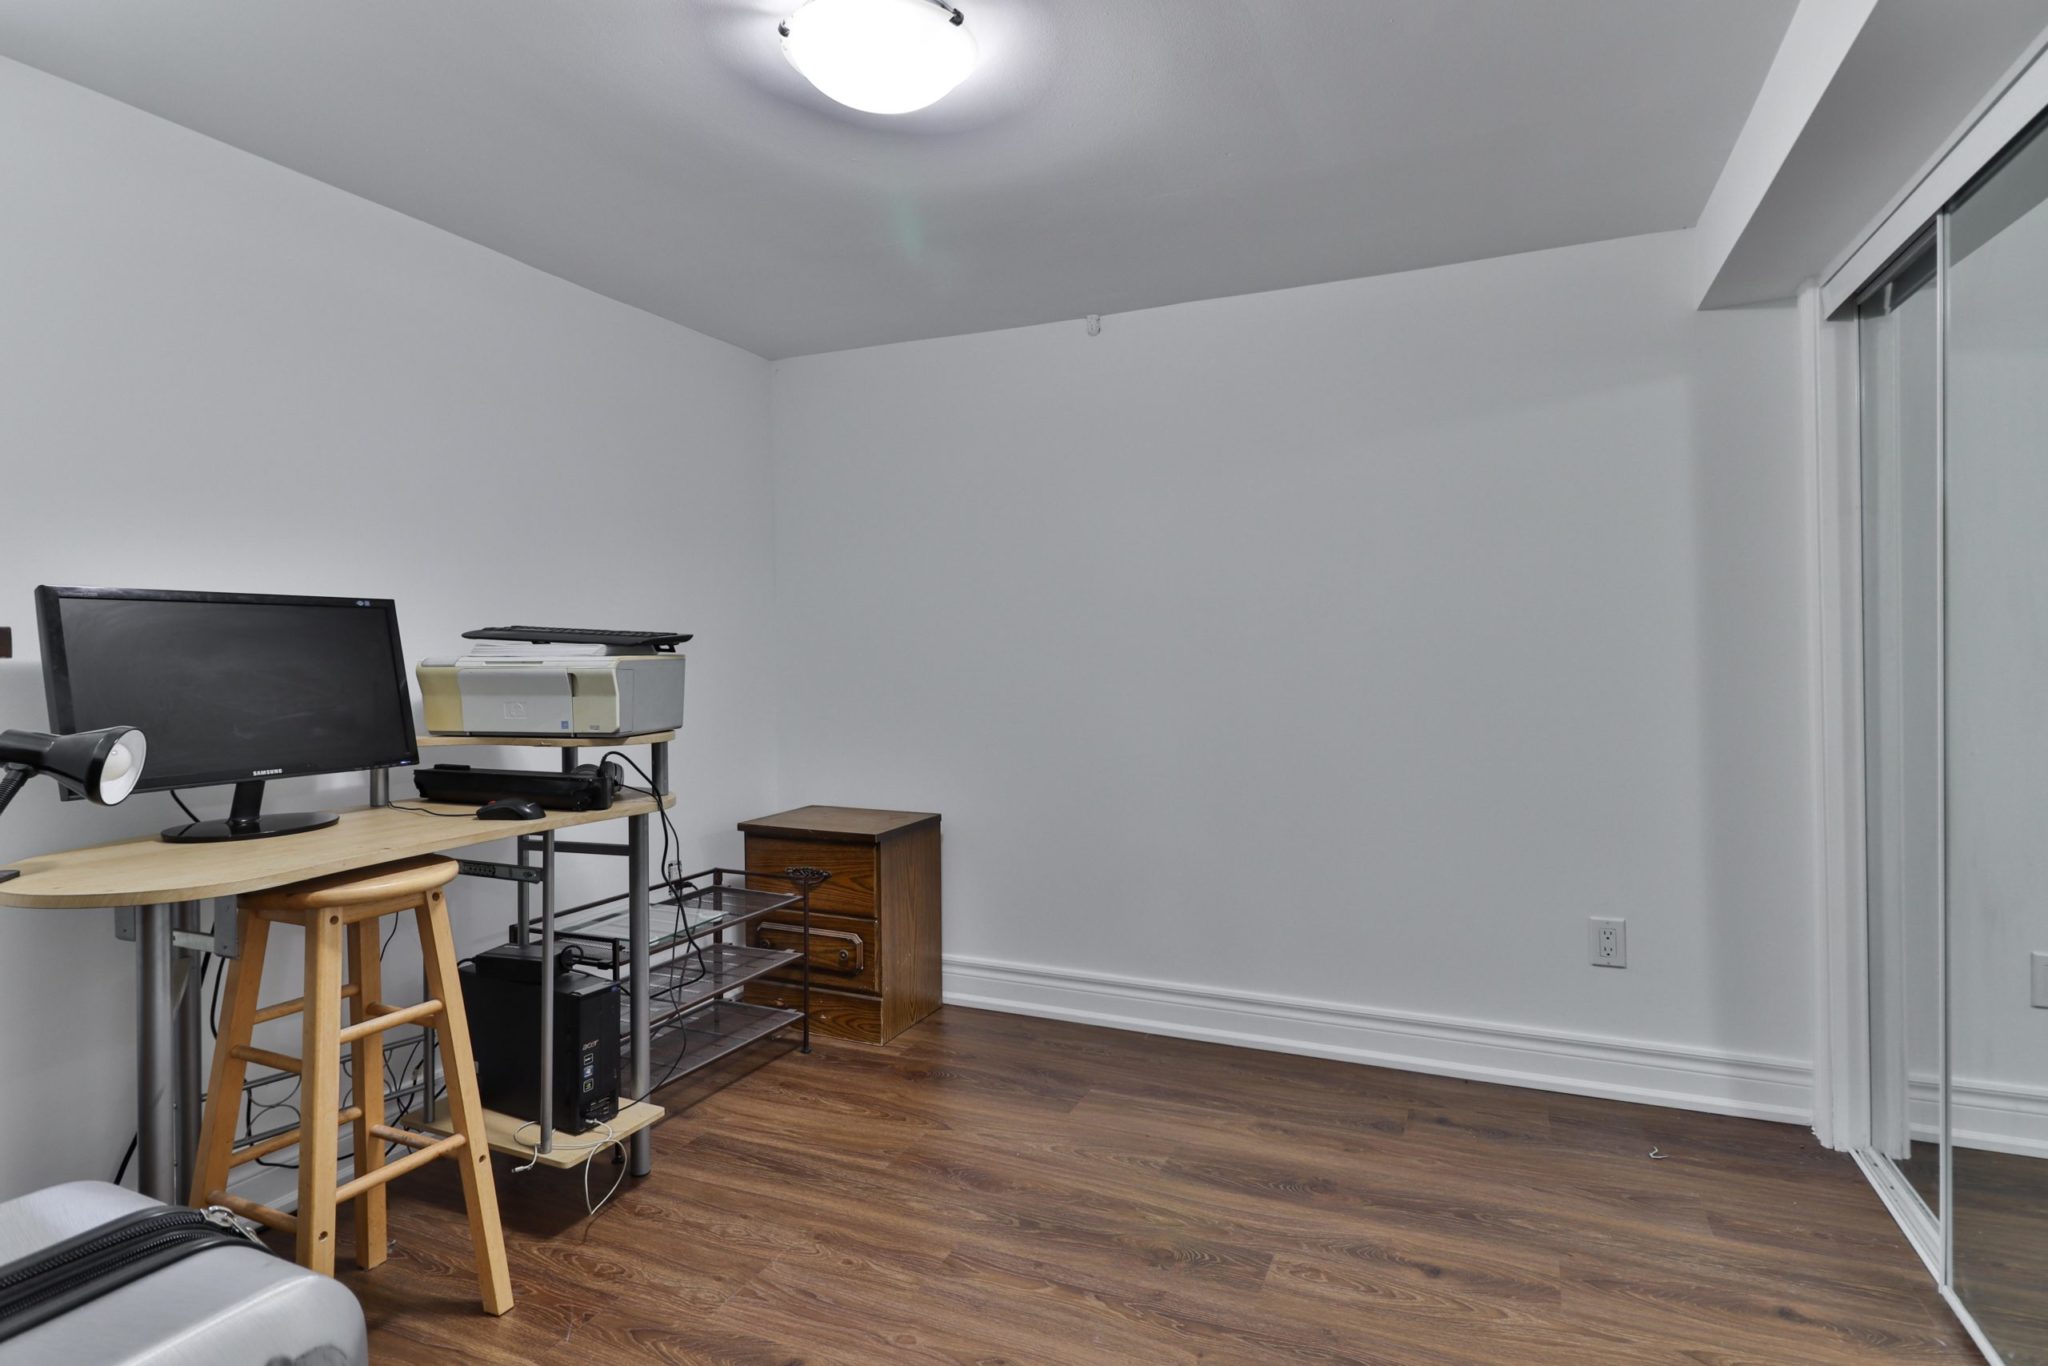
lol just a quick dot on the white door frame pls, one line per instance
(1835, 487)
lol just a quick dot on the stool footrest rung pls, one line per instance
(390, 1171)
(390, 1018)
(287, 1139)
(250, 1210)
(263, 1057)
(295, 1005)
(404, 1136)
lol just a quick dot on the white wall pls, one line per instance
(221, 374)
(1304, 668)
(1300, 669)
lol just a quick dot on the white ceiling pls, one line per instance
(1108, 155)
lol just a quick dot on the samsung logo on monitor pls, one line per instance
(265, 772)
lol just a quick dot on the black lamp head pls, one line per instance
(101, 766)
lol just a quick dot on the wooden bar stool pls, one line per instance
(328, 908)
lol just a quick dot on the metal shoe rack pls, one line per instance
(693, 967)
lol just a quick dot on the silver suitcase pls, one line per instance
(224, 1306)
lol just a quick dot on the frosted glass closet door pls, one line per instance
(1996, 685)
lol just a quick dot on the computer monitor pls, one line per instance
(232, 688)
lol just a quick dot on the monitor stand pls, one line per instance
(246, 821)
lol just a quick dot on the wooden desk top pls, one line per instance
(145, 871)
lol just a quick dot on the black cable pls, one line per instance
(251, 1113)
(444, 815)
(671, 868)
(416, 1046)
(127, 1157)
(678, 887)
(182, 807)
(674, 1063)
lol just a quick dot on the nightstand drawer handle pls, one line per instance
(848, 954)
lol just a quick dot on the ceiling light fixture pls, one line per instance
(880, 56)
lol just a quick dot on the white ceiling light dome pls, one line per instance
(880, 56)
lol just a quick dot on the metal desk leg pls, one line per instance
(547, 991)
(639, 1009)
(189, 985)
(643, 1042)
(156, 1144)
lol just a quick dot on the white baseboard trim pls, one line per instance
(1675, 1075)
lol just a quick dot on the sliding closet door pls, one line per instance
(1898, 340)
(1996, 687)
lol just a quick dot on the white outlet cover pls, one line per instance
(2039, 997)
(1596, 926)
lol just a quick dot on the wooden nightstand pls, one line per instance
(874, 926)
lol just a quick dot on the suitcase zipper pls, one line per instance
(227, 1221)
(115, 1249)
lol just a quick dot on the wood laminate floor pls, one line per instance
(2001, 1244)
(993, 1189)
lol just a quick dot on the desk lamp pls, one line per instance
(101, 766)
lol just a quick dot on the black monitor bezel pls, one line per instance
(57, 676)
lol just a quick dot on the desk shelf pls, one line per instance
(504, 1132)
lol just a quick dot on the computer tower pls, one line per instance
(500, 991)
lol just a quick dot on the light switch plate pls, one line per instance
(2040, 993)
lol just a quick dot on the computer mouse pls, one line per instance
(510, 809)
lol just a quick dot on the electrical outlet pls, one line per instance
(1607, 942)
(2039, 964)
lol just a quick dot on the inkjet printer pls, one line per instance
(567, 681)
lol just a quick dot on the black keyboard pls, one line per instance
(580, 635)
